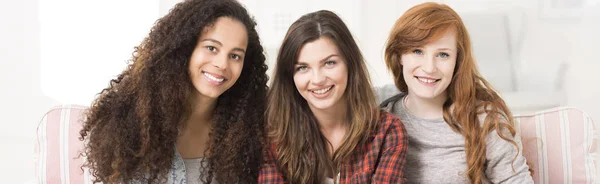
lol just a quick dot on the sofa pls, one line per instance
(559, 144)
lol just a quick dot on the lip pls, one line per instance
(323, 95)
(213, 81)
(424, 77)
(427, 83)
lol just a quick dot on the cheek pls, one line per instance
(343, 75)
(407, 64)
(237, 69)
(449, 68)
(192, 68)
(195, 62)
(299, 81)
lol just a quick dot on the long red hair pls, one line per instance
(469, 94)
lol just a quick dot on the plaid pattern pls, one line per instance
(380, 160)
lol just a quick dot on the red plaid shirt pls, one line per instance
(380, 160)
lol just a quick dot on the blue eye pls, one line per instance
(417, 51)
(443, 55)
(330, 63)
(211, 48)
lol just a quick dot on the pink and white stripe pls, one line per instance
(59, 147)
(559, 145)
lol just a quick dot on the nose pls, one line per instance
(318, 77)
(220, 62)
(428, 65)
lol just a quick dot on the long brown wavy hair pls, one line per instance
(469, 94)
(302, 152)
(132, 127)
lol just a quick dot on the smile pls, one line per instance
(322, 91)
(427, 81)
(213, 78)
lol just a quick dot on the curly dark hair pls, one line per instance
(132, 127)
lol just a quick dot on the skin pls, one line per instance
(428, 71)
(321, 77)
(215, 65)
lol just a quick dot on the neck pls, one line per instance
(193, 139)
(426, 108)
(332, 118)
(333, 124)
(201, 113)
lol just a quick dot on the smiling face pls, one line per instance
(428, 70)
(218, 59)
(321, 75)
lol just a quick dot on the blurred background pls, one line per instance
(538, 54)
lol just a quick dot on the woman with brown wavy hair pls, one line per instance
(459, 129)
(189, 107)
(323, 119)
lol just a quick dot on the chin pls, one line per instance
(427, 95)
(211, 94)
(321, 106)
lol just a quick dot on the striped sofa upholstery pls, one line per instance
(559, 144)
(58, 147)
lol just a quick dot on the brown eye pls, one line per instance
(211, 48)
(235, 56)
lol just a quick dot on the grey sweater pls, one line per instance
(436, 154)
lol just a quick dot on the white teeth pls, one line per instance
(426, 80)
(321, 91)
(211, 77)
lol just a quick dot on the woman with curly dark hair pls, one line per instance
(189, 106)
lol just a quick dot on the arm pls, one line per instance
(269, 173)
(500, 154)
(390, 168)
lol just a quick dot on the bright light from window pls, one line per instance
(84, 44)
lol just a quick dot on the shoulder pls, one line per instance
(390, 134)
(270, 151)
(389, 102)
(390, 124)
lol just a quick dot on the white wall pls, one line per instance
(22, 102)
(69, 62)
(583, 81)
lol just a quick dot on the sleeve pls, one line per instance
(500, 154)
(390, 168)
(269, 172)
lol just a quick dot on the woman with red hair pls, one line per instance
(459, 129)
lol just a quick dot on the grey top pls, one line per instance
(192, 170)
(183, 171)
(436, 154)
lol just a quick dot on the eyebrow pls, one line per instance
(221, 44)
(448, 49)
(325, 59)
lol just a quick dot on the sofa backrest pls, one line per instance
(58, 146)
(559, 145)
